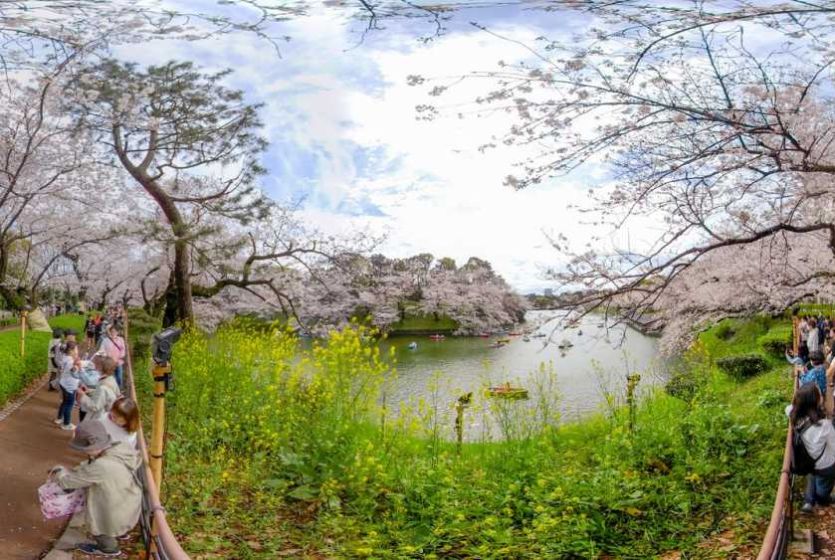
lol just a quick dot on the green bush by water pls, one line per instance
(269, 454)
(744, 366)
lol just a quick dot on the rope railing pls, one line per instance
(781, 526)
(160, 542)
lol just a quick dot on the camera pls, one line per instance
(162, 344)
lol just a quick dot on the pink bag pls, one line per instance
(55, 502)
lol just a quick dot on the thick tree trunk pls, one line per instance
(182, 283)
(180, 309)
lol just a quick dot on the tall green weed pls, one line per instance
(272, 452)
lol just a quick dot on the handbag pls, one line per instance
(57, 502)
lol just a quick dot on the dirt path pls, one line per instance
(30, 444)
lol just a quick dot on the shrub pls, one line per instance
(725, 331)
(141, 326)
(743, 366)
(774, 342)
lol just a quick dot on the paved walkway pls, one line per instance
(30, 444)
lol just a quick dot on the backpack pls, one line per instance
(802, 462)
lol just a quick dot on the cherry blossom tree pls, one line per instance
(713, 119)
(46, 176)
(188, 141)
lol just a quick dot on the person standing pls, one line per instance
(89, 332)
(113, 345)
(54, 359)
(817, 373)
(818, 436)
(69, 382)
(812, 336)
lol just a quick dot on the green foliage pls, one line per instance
(775, 341)
(276, 453)
(15, 371)
(737, 336)
(141, 326)
(743, 366)
(689, 375)
(825, 309)
(724, 330)
(422, 323)
(65, 322)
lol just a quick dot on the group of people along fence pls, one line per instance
(814, 432)
(88, 377)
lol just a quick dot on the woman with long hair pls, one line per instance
(818, 436)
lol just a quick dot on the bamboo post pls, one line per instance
(161, 377)
(631, 384)
(23, 333)
(383, 420)
(459, 425)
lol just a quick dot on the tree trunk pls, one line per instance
(182, 283)
(180, 309)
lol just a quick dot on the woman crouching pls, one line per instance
(114, 496)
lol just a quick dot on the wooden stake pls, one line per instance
(161, 372)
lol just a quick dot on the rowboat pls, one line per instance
(484, 335)
(507, 391)
(496, 345)
(503, 340)
(436, 337)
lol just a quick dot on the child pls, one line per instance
(54, 358)
(68, 381)
(114, 496)
(98, 400)
(122, 422)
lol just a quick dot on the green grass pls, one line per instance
(270, 455)
(422, 323)
(15, 371)
(825, 309)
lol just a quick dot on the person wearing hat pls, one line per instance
(114, 496)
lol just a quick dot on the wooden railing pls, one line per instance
(781, 526)
(159, 541)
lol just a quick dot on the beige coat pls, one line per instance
(114, 497)
(101, 399)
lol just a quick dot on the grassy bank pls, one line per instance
(15, 371)
(271, 455)
(423, 324)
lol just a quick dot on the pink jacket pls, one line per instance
(115, 348)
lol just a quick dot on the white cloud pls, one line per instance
(343, 131)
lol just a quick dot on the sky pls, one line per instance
(345, 141)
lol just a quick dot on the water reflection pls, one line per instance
(566, 382)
